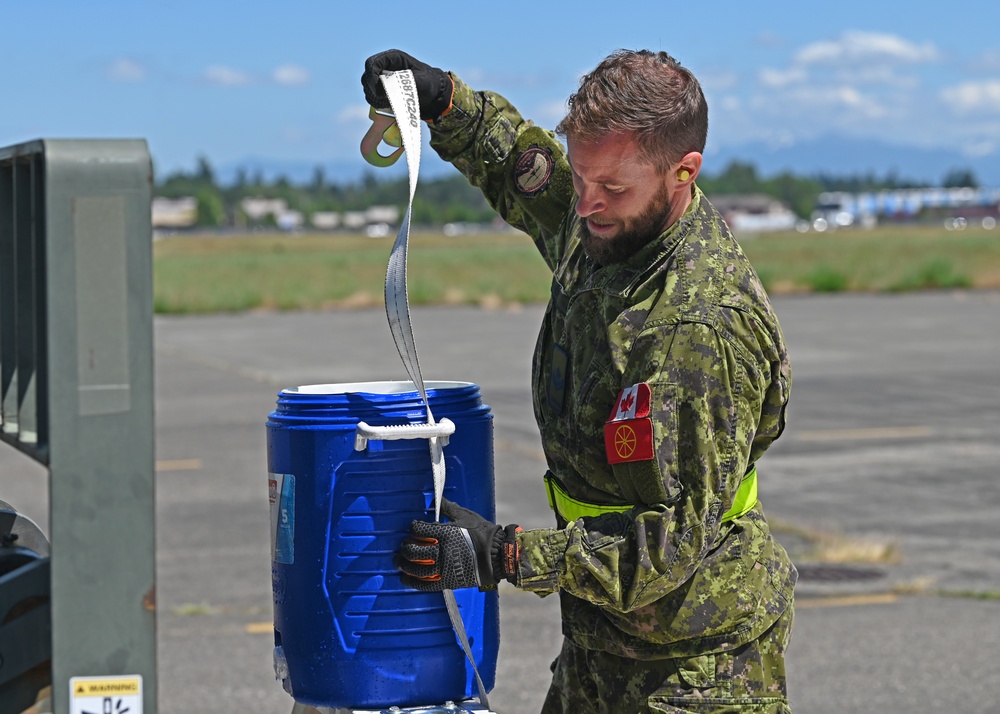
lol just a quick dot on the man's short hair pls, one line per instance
(648, 94)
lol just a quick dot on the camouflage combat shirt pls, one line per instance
(686, 315)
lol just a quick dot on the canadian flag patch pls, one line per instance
(628, 432)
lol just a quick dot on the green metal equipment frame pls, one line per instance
(76, 395)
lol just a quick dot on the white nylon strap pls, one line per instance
(402, 92)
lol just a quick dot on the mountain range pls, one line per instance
(840, 156)
(831, 155)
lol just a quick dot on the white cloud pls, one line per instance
(988, 61)
(780, 139)
(974, 96)
(717, 80)
(287, 75)
(851, 97)
(352, 113)
(872, 74)
(859, 82)
(878, 86)
(767, 38)
(856, 46)
(781, 78)
(979, 149)
(225, 76)
(124, 69)
(290, 75)
(821, 104)
(731, 104)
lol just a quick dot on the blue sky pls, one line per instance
(232, 80)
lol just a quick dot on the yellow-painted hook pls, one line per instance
(383, 128)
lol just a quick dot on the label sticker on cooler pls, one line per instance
(281, 494)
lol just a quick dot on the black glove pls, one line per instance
(467, 552)
(434, 86)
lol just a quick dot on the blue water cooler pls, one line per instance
(347, 632)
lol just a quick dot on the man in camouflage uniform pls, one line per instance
(660, 377)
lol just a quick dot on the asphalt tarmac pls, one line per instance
(891, 451)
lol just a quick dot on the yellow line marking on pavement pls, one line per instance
(260, 628)
(179, 465)
(847, 600)
(889, 432)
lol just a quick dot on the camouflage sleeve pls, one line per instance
(706, 397)
(520, 168)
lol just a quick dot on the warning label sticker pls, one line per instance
(106, 695)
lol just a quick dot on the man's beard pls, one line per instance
(633, 234)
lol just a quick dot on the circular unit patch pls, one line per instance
(532, 170)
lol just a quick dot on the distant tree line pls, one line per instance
(452, 199)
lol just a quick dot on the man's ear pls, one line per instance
(688, 167)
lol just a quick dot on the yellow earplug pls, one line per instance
(683, 175)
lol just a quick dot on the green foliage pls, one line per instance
(856, 183)
(446, 200)
(210, 213)
(933, 273)
(887, 259)
(800, 192)
(768, 276)
(737, 177)
(211, 274)
(824, 279)
(452, 199)
(197, 274)
(960, 178)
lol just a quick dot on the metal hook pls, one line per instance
(383, 128)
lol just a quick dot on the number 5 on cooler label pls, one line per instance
(281, 495)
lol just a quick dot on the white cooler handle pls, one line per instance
(440, 430)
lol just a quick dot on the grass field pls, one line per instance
(210, 273)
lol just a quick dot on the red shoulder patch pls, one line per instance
(628, 432)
